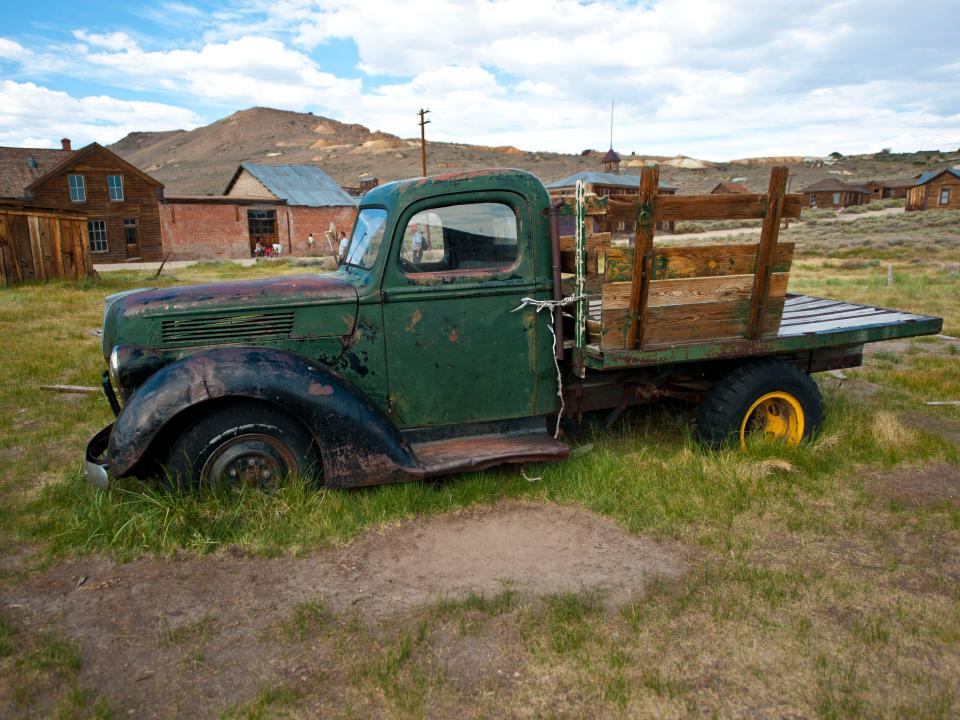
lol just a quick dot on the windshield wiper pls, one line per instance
(346, 263)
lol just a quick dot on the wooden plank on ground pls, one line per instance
(649, 180)
(694, 261)
(766, 251)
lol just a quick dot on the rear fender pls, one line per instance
(358, 443)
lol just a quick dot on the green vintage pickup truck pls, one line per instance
(462, 325)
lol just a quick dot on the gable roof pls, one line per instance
(88, 150)
(602, 178)
(931, 174)
(833, 185)
(898, 183)
(305, 185)
(730, 187)
(17, 172)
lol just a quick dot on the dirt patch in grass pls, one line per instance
(916, 487)
(188, 635)
(943, 427)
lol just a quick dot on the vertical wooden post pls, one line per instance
(580, 268)
(642, 256)
(767, 250)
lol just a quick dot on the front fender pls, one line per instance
(358, 442)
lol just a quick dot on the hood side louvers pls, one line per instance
(224, 330)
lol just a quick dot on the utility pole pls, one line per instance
(423, 140)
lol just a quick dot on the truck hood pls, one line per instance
(131, 316)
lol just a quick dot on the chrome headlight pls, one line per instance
(113, 367)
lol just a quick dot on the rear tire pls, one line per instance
(769, 398)
(243, 443)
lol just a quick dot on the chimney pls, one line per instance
(65, 144)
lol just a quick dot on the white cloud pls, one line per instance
(31, 115)
(689, 76)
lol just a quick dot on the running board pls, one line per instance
(478, 452)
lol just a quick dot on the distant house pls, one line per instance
(120, 201)
(833, 193)
(605, 185)
(611, 162)
(888, 189)
(936, 190)
(285, 204)
(730, 188)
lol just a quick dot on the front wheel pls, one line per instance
(244, 443)
(764, 399)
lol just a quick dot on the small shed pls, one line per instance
(730, 188)
(889, 189)
(936, 190)
(834, 193)
(42, 244)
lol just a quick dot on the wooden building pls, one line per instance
(730, 188)
(889, 189)
(606, 185)
(120, 201)
(42, 244)
(833, 193)
(936, 190)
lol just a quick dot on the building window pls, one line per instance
(78, 189)
(813, 200)
(115, 187)
(944, 196)
(97, 232)
(130, 230)
(836, 198)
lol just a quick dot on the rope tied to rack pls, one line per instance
(551, 305)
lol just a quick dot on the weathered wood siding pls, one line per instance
(947, 182)
(42, 245)
(826, 199)
(140, 202)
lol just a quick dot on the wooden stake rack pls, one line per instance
(648, 295)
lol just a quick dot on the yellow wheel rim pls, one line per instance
(775, 416)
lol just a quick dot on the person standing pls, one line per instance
(419, 245)
(310, 242)
(342, 251)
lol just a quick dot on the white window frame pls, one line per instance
(944, 196)
(115, 189)
(813, 200)
(77, 185)
(97, 236)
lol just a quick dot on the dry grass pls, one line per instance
(809, 593)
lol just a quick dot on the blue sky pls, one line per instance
(709, 79)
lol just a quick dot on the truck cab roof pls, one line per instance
(499, 179)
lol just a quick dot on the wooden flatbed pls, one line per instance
(641, 302)
(808, 323)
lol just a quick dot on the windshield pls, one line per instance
(367, 235)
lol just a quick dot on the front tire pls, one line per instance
(769, 399)
(243, 443)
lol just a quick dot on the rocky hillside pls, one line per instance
(202, 161)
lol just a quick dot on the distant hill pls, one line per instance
(202, 161)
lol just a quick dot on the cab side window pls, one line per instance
(477, 236)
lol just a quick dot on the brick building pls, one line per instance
(282, 204)
(936, 190)
(120, 201)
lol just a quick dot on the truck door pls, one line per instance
(458, 266)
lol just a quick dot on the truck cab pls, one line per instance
(449, 340)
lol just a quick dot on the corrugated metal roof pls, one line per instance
(602, 178)
(931, 174)
(305, 185)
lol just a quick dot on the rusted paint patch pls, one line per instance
(414, 319)
(320, 389)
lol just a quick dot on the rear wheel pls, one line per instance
(768, 400)
(244, 443)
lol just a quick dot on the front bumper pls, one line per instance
(96, 469)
